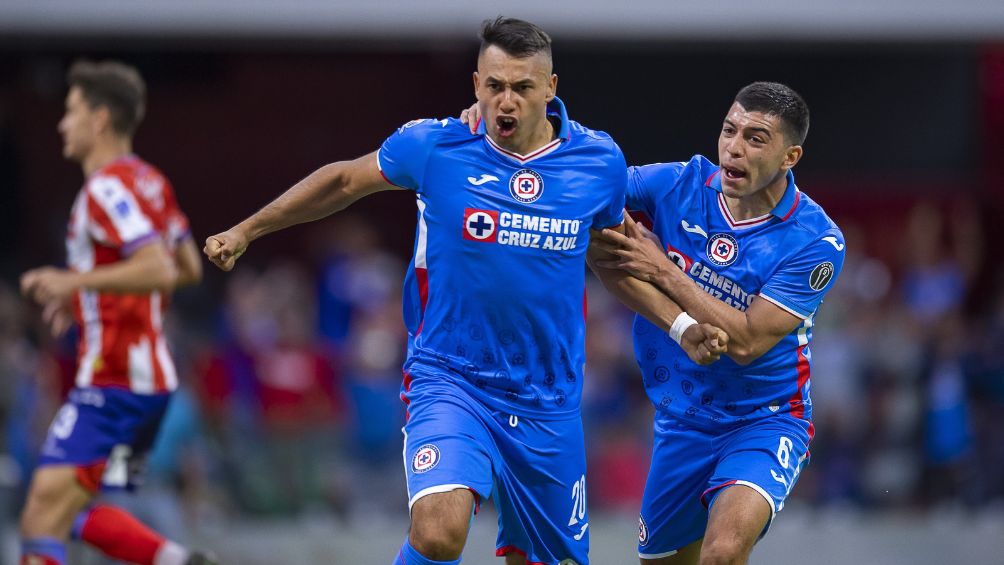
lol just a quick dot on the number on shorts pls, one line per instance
(578, 501)
(117, 466)
(784, 452)
(65, 420)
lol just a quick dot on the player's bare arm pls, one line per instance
(751, 333)
(188, 263)
(703, 343)
(327, 190)
(148, 269)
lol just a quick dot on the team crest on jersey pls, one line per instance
(425, 458)
(526, 185)
(722, 249)
(481, 225)
(820, 276)
(642, 531)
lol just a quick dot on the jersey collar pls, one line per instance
(783, 210)
(555, 108)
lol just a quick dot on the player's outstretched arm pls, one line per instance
(751, 333)
(325, 191)
(703, 343)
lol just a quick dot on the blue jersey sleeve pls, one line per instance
(613, 214)
(403, 155)
(799, 285)
(647, 182)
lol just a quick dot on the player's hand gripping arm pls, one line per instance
(325, 191)
(751, 333)
(703, 343)
(149, 268)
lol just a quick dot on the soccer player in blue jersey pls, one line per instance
(494, 300)
(744, 249)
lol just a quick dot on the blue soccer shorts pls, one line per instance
(690, 467)
(104, 432)
(534, 469)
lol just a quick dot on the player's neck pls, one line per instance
(760, 203)
(104, 152)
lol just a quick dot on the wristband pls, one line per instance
(680, 325)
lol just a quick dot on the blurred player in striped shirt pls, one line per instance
(128, 246)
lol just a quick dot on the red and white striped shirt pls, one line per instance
(123, 206)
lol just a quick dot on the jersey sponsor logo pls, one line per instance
(820, 276)
(642, 531)
(122, 208)
(521, 230)
(480, 225)
(484, 178)
(693, 229)
(526, 185)
(833, 241)
(722, 249)
(720, 286)
(425, 458)
(679, 258)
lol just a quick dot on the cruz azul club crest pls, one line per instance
(425, 458)
(526, 185)
(722, 249)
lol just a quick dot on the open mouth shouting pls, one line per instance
(506, 125)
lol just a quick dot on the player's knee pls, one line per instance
(724, 551)
(439, 524)
(439, 544)
(51, 504)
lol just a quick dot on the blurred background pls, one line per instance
(284, 440)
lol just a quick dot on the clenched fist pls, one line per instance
(224, 249)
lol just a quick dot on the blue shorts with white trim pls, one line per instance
(691, 466)
(535, 470)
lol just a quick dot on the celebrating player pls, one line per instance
(493, 300)
(128, 246)
(744, 249)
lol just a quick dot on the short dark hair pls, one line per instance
(114, 85)
(778, 100)
(518, 38)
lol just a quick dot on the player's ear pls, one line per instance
(791, 156)
(552, 87)
(477, 83)
(102, 117)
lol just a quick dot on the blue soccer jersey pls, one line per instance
(494, 295)
(789, 257)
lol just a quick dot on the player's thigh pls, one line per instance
(737, 519)
(442, 519)
(672, 516)
(765, 458)
(55, 496)
(541, 492)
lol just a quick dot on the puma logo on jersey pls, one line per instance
(484, 178)
(693, 228)
(833, 241)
